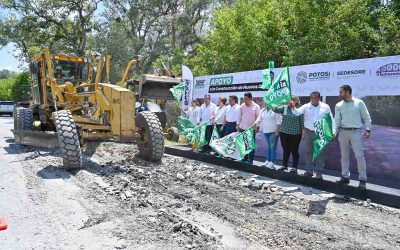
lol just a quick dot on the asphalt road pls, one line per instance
(42, 211)
(117, 201)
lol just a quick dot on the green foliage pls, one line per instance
(21, 87)
(61, 25)
(15, 88)
(296, 32)
(5, 73)
(5, 89)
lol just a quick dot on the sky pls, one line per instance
(7, 60)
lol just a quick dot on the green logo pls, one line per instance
(226, 80)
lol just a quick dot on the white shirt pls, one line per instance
(312, 113)
(193, 114)
(269, 120)
(220, 114)
(206, 112)
(232, 113)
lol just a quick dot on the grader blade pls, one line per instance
(157, 87)
(36, 138)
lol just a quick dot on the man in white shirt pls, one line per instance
(220, 115)
(207, 113)
(313, 111)
(231, 115)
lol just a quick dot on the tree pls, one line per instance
(251, 32)
(156, 28)
(20, 88)
(62, 25)
(15, 88)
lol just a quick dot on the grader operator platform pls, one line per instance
(67, 108)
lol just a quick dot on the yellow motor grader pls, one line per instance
(67, 108)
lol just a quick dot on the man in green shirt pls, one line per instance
(350, 115)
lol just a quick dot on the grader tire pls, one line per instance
(25, 118)
(16, 118)
(173, 134)
(69, 139)
(151, 141)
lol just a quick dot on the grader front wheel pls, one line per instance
(68, 138)
(151, 138)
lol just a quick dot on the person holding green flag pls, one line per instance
(207, 114)
(248, 116)
(313, 111)
(290, 134)
(193, 114)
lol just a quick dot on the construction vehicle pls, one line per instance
(67, 108)
(153, 99)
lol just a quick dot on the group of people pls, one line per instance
(291, 123)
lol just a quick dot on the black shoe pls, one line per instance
(343, 180)
(362, 185)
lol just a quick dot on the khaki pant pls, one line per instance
(318, 165)
(355, 138)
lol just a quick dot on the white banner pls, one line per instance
(187, 76)
(368, 77)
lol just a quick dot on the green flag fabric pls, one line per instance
(280, 91)
(214, 135)
(186, 128)
(268, 76)
(178, 90)
(323, 134)
(226, 146)
(245, 142)
(200, 134)
(184, 124)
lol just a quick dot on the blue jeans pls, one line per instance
(271, 141)
(229, 128)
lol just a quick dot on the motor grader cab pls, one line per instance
(67, 108)
(152, 93)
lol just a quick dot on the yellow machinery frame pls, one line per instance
(114, 116)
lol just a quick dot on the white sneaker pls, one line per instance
(270, 165)
(266, 163)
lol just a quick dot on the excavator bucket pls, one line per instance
(157, 87)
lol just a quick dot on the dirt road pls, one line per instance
(120, 202)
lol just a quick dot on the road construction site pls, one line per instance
(119, 201)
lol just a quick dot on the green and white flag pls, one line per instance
(214, 135)
(186, 128)
(245, 142)
(184, 124)
(280, 91)
(226, 146)
(323, 134)
(178, 90)
(268, 76)
(200, 134)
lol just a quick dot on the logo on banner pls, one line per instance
(301, 77)
(186, 94)
(200, 84)
(226, 80)
(350, 73)
(389, 70)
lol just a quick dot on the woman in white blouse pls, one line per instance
(270, 123)
(193, 113)
(220, 116)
